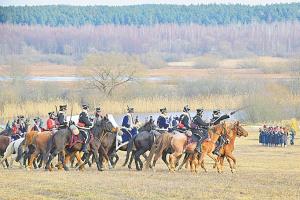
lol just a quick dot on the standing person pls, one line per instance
(292, 136)
(62, 117)
(162, 120)
(201, 128)
(51, 124)
(85, 123)
(216, 119)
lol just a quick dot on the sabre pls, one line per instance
(242, 108)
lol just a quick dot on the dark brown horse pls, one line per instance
(4, 142)
(58, 144)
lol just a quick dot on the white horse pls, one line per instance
(12, 151)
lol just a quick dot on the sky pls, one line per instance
(136, 2)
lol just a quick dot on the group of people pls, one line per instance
(274, 136)
(184, 123)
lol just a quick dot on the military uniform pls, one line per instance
(216, 119)
(185, 119)
(128, 128)
(61, 117)
(201, 129)
(98, 116)
(85, 122)
(162, 120)
(51, 124)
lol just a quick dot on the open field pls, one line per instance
(262, 173)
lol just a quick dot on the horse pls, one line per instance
(208, 147)
(59, 144)
(104, 135)
(178, 143)
(4, 142)
(11, 151)
(235, 130)
(39, 141)
(142, 142)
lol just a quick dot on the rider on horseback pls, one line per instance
(185, 121)
(51, 121)
(162, 120)
(128, 126)
(98, 116)
(62, 117)
(201, 128)
(217, 118)
(85, 123)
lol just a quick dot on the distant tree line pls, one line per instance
(275, 39)
(213, 14)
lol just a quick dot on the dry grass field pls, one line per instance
(262, 173)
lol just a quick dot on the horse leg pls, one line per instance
(164, 158)
(203, 166)
(201, 160)
(216, 161)
(6, 162)
(173, 159)
(131, 159)
(138, 159)
(186, 157)
(52, 155)
(233, 159)
(32, 158)
(62, 158)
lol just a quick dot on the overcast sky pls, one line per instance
(134, 2)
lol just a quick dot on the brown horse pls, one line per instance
(235, 130)
(179, 144)
(39, 141)
(4, 142)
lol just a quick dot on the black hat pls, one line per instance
(50, 113)
(62, 107)
(186, 108)
(163, 109)
(85, 107)
(36, 118)
(217, 111)
(130, 110)
(200, 110)
(98, 109)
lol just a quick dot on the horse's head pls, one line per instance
(239, 130)
(148, 126)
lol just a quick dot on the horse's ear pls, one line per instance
(237, 123)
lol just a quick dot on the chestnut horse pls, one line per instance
(235, 130)
(179, 144)
(39, 141)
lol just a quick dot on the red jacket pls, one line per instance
(50, 124)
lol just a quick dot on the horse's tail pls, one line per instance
(129, 150)
(9, 150)
(20, 151)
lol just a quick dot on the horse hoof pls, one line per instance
(66, 169)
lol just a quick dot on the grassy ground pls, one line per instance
(262, 172)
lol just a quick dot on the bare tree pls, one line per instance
(108, 71)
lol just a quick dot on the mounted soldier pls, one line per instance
(51, 124)
(162, 120)
(185, 119)
(128, 127)
(62, 117)
(85, 124)
(98, 116)
(37, 125)
(216, 119)
(22, 129)
(200, 128)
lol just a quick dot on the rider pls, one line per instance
(85, 122)
(51, 121)
(22, 129)
(201, 128)
(185, 119)
(127, 123)
(216, 119)
(162, 120)
(37, 125)
(62, 116)
(98, 115)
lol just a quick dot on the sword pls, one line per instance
(242, 108)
